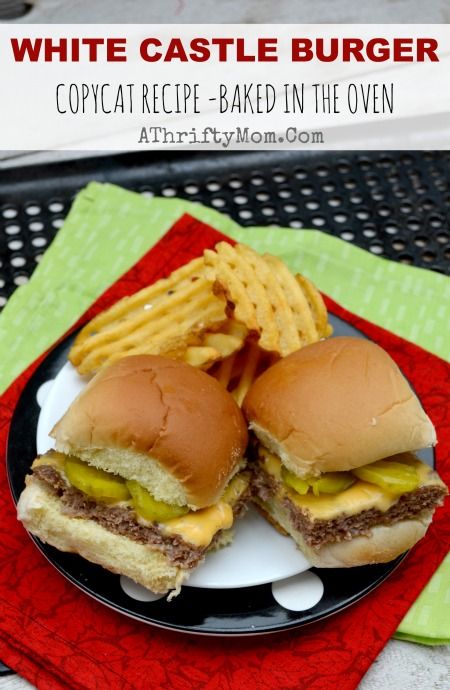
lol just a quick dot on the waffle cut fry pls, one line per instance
(317, 306)
(167, 317)
(231, 312)
(237, 372)
(215, 346)
(282, 312)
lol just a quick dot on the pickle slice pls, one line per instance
(395, 477)
(301, 486)
(327, 483)
(331, 483)
(149, 508)
(96, 483)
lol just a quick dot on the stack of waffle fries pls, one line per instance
(231, 312)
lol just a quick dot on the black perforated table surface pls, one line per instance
(395, 205)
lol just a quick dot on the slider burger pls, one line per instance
(146, 476)
(336, 424)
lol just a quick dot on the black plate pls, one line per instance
(246, 611)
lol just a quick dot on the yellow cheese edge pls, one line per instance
(200, 527)
(197, 528)
(357, 498)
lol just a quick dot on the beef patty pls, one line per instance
(319, 532)
(122, 519)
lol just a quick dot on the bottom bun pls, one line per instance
(383, 544)
(40, 512)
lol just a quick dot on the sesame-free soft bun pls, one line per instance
(161, 422)
(43, 514)
(336, 405)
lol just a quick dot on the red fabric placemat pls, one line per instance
(57, 637)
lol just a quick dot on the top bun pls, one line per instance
(336, 405)
(171, 427)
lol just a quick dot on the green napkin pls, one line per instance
(428, 620)
(108, 229)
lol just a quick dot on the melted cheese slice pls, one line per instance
(197, 527)
(357, 498)
(200, 527)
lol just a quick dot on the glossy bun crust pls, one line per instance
(336, 405)
(156, 419)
